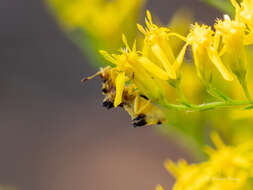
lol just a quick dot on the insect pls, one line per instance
(142, 111)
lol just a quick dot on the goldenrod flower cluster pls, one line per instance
(206, 79)
(192, 80)
(156, 70)
(156, 84)
(229, 167)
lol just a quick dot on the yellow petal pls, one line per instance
(107, 56)
(148, 19)
(124, 39)
(149, 16)
(159, 187)
(153, 68)
(178, 36)
(180, 58)
(134, 46)
(214, 57)
(196, 60)
(141, 29)
(217, 39)
(120, 84)
(171, 168)
(162, 57)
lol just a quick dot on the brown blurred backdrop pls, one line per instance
(54, 135)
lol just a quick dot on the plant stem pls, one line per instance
(206, 106)
(182, 98)
(217, 93)
(246, 90)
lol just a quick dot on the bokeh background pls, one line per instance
(54, 134)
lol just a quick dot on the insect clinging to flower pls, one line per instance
(139, 107)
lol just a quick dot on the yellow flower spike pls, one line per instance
(119, 84)
(159, 187)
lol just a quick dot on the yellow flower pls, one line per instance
(244, 14)
(233, 33)
(229, 167)
(139, 70)
(105, 20)
(158, 49)
(204, 45)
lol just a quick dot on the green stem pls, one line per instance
(206, 106)
(246, 90)
(182, 98)
(217, 93)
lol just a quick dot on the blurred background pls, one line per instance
(54, 133)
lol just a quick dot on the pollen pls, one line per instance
(200, 35)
